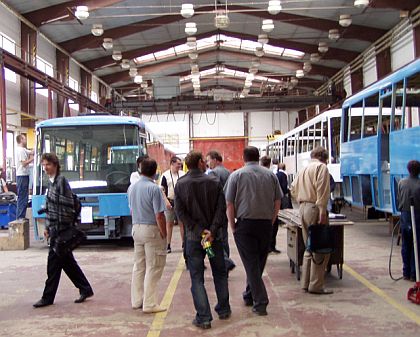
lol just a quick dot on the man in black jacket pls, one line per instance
(60, 215)
(200, 205)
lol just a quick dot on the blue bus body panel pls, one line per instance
(406, 71)
(359, 156)
(90, 120)
(110, 205)
(404, 146)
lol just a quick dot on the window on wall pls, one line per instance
(94, 96)
(46, 68)
(9, 45)
(75, 86)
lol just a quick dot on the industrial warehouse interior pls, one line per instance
(222, 168)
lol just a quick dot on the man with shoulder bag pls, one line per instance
(312, 190)
(60, 211)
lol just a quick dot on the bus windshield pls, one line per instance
(94, 158)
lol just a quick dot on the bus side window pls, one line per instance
(412, 113)
(356, 124)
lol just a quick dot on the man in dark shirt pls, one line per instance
(215, 163)
(200, 204)
(409, 188)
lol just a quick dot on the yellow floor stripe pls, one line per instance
(160, 317)
(404, 310)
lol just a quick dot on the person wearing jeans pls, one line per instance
(200, 205)
(409, 190)
(147, 206)
(24, 158)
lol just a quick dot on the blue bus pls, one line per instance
(375, 148)
(97, 155)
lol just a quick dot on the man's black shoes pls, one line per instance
(42, 303)
(83, 297)
(225, 315)
(201, 325)
(259, 312)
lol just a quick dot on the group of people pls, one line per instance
(247, 201)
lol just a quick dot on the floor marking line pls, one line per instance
(404, 310)
(159, 320)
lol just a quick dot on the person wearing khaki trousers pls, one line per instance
(147, 206)
(311, 189)
(314, 265)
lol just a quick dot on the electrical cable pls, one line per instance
(390, 255)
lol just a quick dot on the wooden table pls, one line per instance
(296, 246)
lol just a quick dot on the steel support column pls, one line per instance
(416, 37)
(63, 64)
(383, 63)
(85, 86)
(50, 108)
(3, 113)
(27, 87)
(356, 77)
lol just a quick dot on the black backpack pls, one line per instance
(77, 207)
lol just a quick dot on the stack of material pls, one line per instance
(17, 237)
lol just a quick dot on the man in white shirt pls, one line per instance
(24, 158)
(168, 182)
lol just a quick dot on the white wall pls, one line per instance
(402, 51)
(370, 74)
(347, 81)
(46, 51)
(209, 124)
(10, 26)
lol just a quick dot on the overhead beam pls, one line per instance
(132, 54)
(332, 54)
(210, 55)
(31, 72)
(245, 104)
(363, 33)
(90, 41)
(60, 12)
(400, 4)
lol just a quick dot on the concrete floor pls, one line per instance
(353, 310)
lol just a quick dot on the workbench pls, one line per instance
(296, 246)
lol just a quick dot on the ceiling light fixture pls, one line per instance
(138, 79)
(107, 44)
(187, 10)
(263, 38)
(220, 68)
(82, 12)
(190, 28)
(193, 55)
(274, 7)
(116, 55)
(361, 3)
(132, 72)
(259, 51)
(315, 57)
(192, 41)
(307, 67)
(221, 20)
(334, 34)
(300, 73)
(125, 63)
(345, 20)
(267, 25)
(322, 47)
(97, 29)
